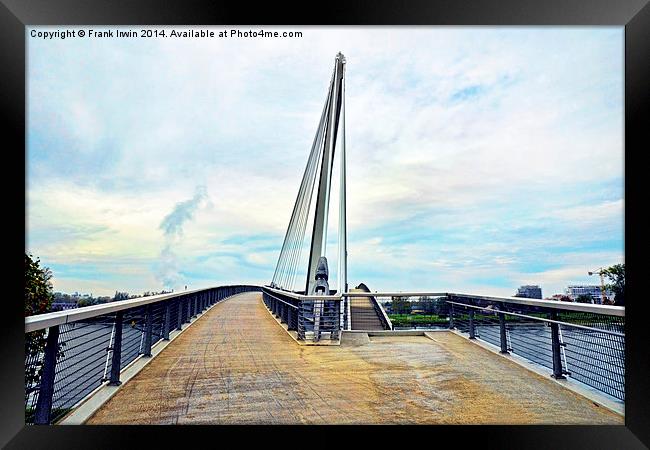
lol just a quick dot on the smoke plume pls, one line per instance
(172, 227)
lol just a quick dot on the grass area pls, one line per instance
(413, 320)
(404, 320)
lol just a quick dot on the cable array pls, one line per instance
(286, 269)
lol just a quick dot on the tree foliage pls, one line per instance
(38, 300)
(401, 305)
(584, 298)
(38, 288)
(616, 275)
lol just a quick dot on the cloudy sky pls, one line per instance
(479, 158)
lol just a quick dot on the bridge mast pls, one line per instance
(319, 234)
(342, 274)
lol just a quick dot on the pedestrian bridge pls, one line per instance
(300, 351)
(236, 364)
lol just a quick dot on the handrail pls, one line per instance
(280, 300)
(540, 319)
(395, 294)
(579, 307)
(42, 321)
(304, 297)
(382, 312)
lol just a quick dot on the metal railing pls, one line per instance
(313, 317)
(87, 348)
(585, 343)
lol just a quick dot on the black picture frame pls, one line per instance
(15, 15)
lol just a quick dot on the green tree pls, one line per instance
(401, 305)
(584, 298)
(86, 302)
(38, 300)
(38, 288)
(121, 296)
(616, 275)
(427, 305)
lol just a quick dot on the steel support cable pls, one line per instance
(296, 240)
(282, 260)
(287, 238)
(317, 165)
(285, 261)
(321, 159)
(295, 261)
(280, 267)
(292, 233)
(300, 205)
(303, 221)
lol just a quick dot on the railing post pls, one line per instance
(167, 320)
(179, 325)
(292, 319)
(46, 392)
(300, 321)
(451, 316)
(148, 331)
(471, 324)
(196, 305)
(186, 310)
(502, 331)
(558, 373)
(336, 333)
(114, 379)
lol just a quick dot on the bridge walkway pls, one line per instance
(236, 365)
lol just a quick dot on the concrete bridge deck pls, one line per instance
(236, 365)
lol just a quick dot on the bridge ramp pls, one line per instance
(363, 315)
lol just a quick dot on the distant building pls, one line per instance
(529, 291)
(62, 305)
(593, 291)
